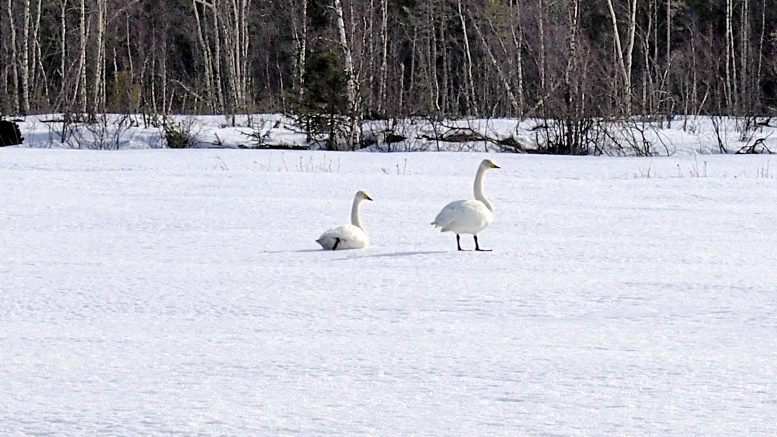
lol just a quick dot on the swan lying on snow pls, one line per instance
(351, 236)
(468, 216)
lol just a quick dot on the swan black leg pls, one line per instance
(458, 241)
(337, 241)
(477, 246)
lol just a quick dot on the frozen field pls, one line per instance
(163, 291)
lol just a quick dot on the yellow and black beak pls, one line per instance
(367, 196)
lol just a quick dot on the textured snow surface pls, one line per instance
(162, 291)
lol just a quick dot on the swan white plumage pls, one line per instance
(351, 236)
(468, 216)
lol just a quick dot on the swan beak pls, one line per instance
(495, 166)
(367, 197)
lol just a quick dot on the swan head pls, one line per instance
(487, 164)
(363, 195)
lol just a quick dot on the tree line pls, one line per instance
(390, 58)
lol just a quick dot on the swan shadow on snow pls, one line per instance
(377, 255)
(291, 251)
(395, 254)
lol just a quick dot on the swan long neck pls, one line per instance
(355, 218)
(479, 195)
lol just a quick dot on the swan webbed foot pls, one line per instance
(477, 246)
(337, 242)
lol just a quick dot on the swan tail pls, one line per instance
(441, 221)
(324, 243)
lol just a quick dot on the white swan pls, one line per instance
(468, 216)
(351, 236)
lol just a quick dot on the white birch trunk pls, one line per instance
(80, 89)
(152, 78)
(624, 59)
(668, 34)
(744, 54)
(206, 55)
(517, 34)
(302, 48)
(217, 56)
(245, 66)
(728, 87)
(130, 62)
(435, 89)
(14, 61)
(351, 87)
(759, 65)
(367, 55)
(384, 54)
(630, 55)
(472, 99)
(63, 49)
(541, 25)
(4, 68)
(228, 21)
(37, 64)
(25, 52)
(163, 73)
(99, 67)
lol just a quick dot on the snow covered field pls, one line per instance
(163, 291)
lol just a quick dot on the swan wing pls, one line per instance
(346, 237)
(463, 217)
(449, 213)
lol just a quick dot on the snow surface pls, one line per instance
(182, 291)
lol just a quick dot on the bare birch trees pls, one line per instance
(389, 57)
(222, 28)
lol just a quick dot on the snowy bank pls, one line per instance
(683, 136)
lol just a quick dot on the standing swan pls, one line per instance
(351, 236)
(468, 216)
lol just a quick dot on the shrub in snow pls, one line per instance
(103, 132)
(259, 135)
(180, 135)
